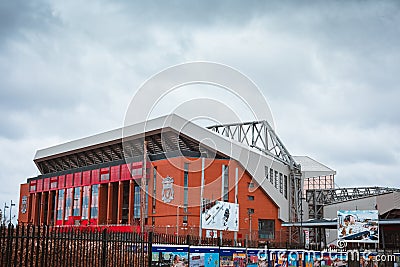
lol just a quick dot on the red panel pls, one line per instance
(125, 172)
(104, 170)
(86, 178)
(77, 179)
(61, 181)
(137, 164)
(32, 186)
(46, 186)
(95, 176)
(39, 185)
(53, 183)
(115, 171)
(136, 170)
(104, 175)
(69, 180)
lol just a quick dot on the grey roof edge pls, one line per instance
(248, 157)
(100, 138)
(313, 173)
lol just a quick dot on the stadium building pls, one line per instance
(187, 170)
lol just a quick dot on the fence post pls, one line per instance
(9, 244)
(104, 248)
(149, 249)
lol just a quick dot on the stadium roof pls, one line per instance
(165, 134)
(312, 168)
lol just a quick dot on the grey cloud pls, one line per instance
(20, 15)
(328, 70)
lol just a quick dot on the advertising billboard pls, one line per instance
(219, 215)
(358, 226)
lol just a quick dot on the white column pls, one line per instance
(201, 197)
(236, 197)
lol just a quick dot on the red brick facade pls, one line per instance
(70, 199)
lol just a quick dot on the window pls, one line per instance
(33, 187)
(276, 180)
(77, 202)
(225, 183)
(136, 171)
(250, 185)
(53, 184)
(250, 211)
(251, 198)
(125, 202)
(104, 176)
(60, 206)
(137, 204)
(85, 202)
(185, 191)
(281, 183)
(68, 204)
(94, 208)
(271, 176)
(266, 172)
(266, 229)
(154, 188)
(285, 183)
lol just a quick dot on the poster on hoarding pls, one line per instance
(358, 226)
(219, 215)
(204, 257)
(169, 256)
(257, 258)
(278, 257)
(232, 257)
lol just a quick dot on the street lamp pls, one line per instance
(301, 221)
(177, 220)
(250, 212)
(4, 212)
(12, 205)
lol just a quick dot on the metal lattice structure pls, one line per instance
(336, 195)
(261, 136)
(318, 198)
(257, 134)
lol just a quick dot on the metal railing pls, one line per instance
(28, 245)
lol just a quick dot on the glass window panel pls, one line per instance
(94, 209)
(60, 206)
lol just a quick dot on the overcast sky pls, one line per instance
(330, 72)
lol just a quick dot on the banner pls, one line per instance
(358, 226)
(219, 215)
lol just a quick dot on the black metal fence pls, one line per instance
(28, 245)
(51, 246)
